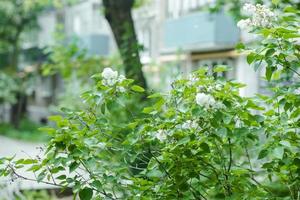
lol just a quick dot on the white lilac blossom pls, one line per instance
(161, 135)
(111, 77)
(126, 182)
(219, 105)
(244, 24)
(219, 86)
(192, 79)
(101, 145)
(205, 100)
(108, 73)
(260, 16)
(121, 89)
(190, 124)
(238, 122)
(297, 91)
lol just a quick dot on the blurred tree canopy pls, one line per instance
(16, 17)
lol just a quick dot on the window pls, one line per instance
(210, 64)
(144, 37)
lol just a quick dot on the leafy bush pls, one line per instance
(201, 140)
(8, 89)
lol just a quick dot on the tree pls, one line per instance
(118, 14)
(16, 18)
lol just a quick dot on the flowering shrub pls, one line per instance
(201, 140)
(261, 16)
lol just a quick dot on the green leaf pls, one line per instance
(251, 57)
(97, 184)
(41, 176)
(270, 52)
(156, 95)
(220, 68)
(132, 125)
(183, 140)
(205, 147)
(290, 9)
(240, 46)
(269, 72)
(26, 161)
(276, 2)
(148, 110)
(263, 153)
(155, 174)
(285, 143)
(61, 177)
(55, 118)
(278, 152)
(86, 194)
(137, 88)
(73, 166)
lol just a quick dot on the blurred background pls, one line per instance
(49, 49)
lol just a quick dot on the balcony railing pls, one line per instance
(201, 31)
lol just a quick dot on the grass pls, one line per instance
(28, 131)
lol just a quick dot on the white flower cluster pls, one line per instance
(111, 77)
(190, 124)
(297, 91)
(192, 79)
(161, 135)
(126, 182)
(205, 100)
(261, 16)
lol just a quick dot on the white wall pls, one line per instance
(246, 74)
(47, 23)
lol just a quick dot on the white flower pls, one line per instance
(102, 145)
(192, 79)
(261, 16)
(249, 8)
(297, 91)
(205, 100)
(126, 182)
(109, 82)
(110, 78)
(189, 124)
(244, 23)
(108, 73)
(161, 135)
(121, 89)
(219, 105)
(219, 86)
(238, 122)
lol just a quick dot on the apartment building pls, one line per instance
(182, 35)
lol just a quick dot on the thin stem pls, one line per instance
(230, 156)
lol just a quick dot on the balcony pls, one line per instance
(200, 31)
(95, 44)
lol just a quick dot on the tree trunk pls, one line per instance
(118, 14)
(14, 58)
(19, 109)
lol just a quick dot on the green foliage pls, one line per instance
(8, 89)
(28, 131)
(278, 52)
(201, 140)
(35, 195)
